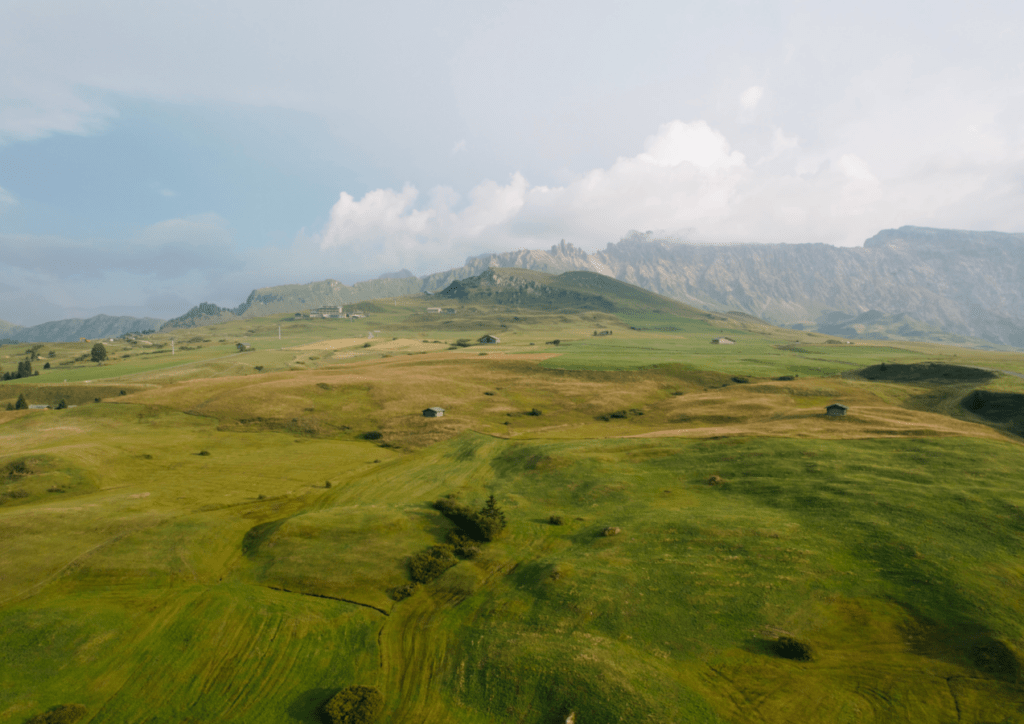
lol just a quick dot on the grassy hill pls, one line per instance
(220, 539)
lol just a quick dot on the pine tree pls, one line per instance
(21, 404)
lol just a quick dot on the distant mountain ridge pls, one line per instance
(929, 284)
(71, 330)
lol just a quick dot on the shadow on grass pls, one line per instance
(307, 706)
(258, 535)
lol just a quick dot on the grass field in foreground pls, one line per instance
(154, 583)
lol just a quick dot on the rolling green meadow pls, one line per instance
(211, 535)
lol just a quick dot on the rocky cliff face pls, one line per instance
(936, 284)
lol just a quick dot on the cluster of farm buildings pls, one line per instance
(330, 313)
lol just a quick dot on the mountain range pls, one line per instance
(71, 330)
(961, 287)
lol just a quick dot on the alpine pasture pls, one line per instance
(220, 535)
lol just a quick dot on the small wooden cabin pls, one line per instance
(488, 339)
(723, 340)
(434, 412)
(835, 410)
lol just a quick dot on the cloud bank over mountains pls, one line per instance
(688, 182)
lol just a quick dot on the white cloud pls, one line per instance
(751, 97)
(459, 147)
(692, 143)
(687, 181)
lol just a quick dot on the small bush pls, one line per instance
(484, 525)
(427, 565)
(17, 493)
(327, 484)
(62, 405)
(401, 593)
(740, 380)
(556, 520)
(372, 435)
(63, 714)
(611, 530)
(204, 453)
(354, 705)
(535, 412)
(462, 343)
(123, 392)
(462, 546)
(787, 647)
(55, 489)
(46, 366)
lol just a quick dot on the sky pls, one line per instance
(157, 155)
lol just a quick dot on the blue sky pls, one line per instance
(156, 155)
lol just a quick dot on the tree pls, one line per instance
(22, 403)
(99, 352)
(354, 705)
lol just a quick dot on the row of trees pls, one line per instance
(24, 370)
(97, 354)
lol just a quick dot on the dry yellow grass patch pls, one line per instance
(349, 346)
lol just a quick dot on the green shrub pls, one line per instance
(787, 647)
(63, 714)
(62, 405)
(400, 593)
(556, 520)
(484, 525)
(22, 403)
(427, 565)
(372, 435)
(204, 453)
(461, 545)
(354, 705)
